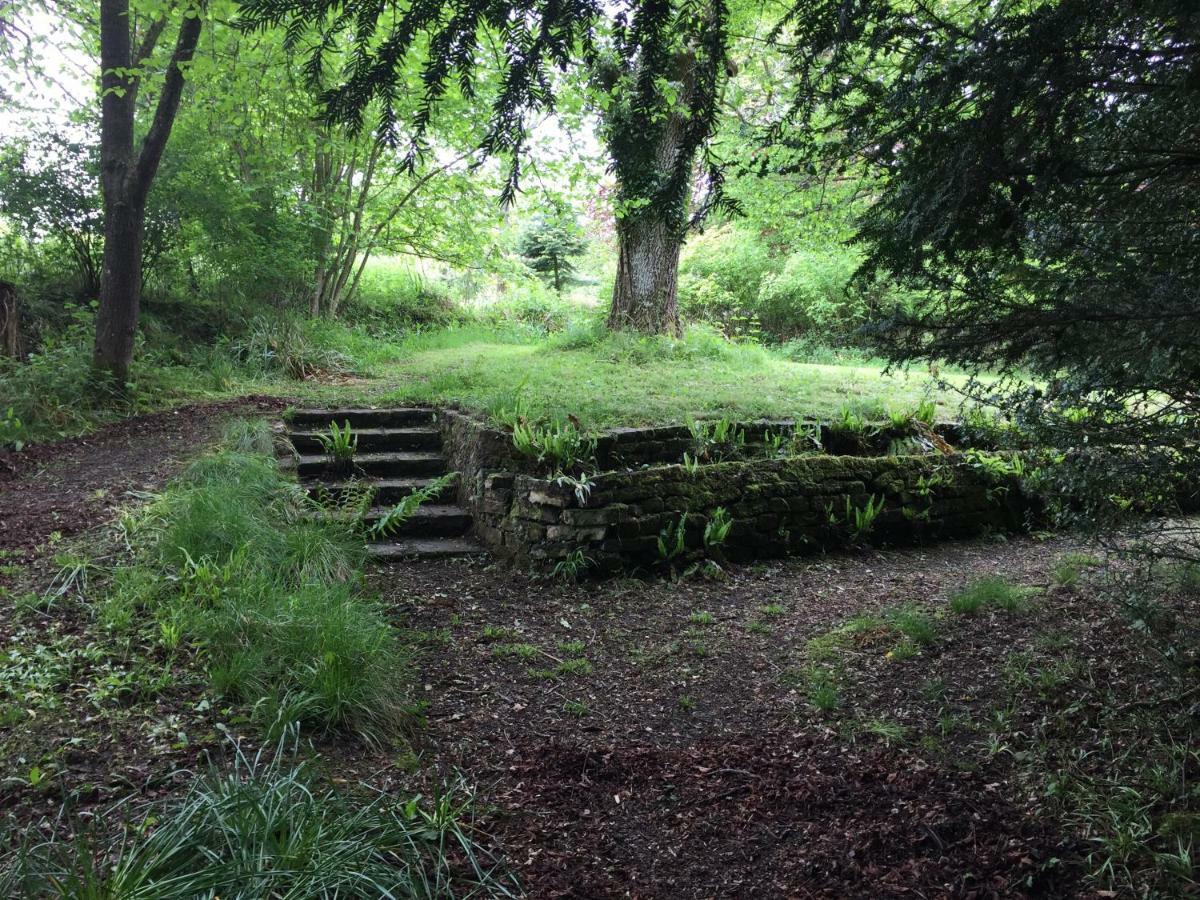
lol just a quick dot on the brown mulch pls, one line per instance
(71, 485)
(689, 762)
(778, 815)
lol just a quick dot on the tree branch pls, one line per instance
(168, 105)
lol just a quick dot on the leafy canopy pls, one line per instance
(1038, 191)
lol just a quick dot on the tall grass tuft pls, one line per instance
(235, 560)
(266, 828)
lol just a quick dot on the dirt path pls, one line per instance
(69, 486)
(658, 739)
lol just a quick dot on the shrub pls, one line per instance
(285, 346)
(809, 294)
(392, 299)
(719, 278)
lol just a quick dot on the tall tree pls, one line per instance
(658, 65)
(1038, 194)
(126, 173)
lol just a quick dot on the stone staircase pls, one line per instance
(399, 451)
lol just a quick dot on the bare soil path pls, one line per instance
(68, 486)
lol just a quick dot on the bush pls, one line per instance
(719, 278)
(234, 558)
(809, 293)
(532, 303)
(287, 346)
(394, 299)
(267, 829)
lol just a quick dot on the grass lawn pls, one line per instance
(621, 380)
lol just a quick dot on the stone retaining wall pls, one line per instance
(778, 506)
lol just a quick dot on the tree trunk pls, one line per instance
(645, 293)
(126, 177)
(120, 291)
(10, 321)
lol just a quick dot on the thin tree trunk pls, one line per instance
(120, 290)
(10, 321)
(125, 178)
(646, 289)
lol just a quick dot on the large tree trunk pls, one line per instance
(645, 293)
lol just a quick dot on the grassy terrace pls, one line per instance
(621, 380)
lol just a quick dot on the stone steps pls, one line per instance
(399, 452)
(362, 417)
(376, 464)
(388, 491)
(430, 519)
(373, 439)
(425, 548)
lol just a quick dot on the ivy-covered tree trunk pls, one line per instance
(646, 289)
(654, 128)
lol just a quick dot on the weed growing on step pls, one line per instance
(340, 446)
(393, 518)
(231, 560)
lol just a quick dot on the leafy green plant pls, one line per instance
(580, 485)
(773, 443)
(717, 440)
(572, 566)
(268, 828)
(672, 540)
(509, 407)
(858, 521)
(716, 529)
(560, 446)
(926, 413)
(691, 465)
(395, 517)
(12, 432)
(702, 617)
(340, 445)
(847, 421)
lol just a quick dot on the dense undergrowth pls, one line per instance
(562, 353)
(267, 826)
(233, 561)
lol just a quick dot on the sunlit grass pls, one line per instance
(632, 381)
